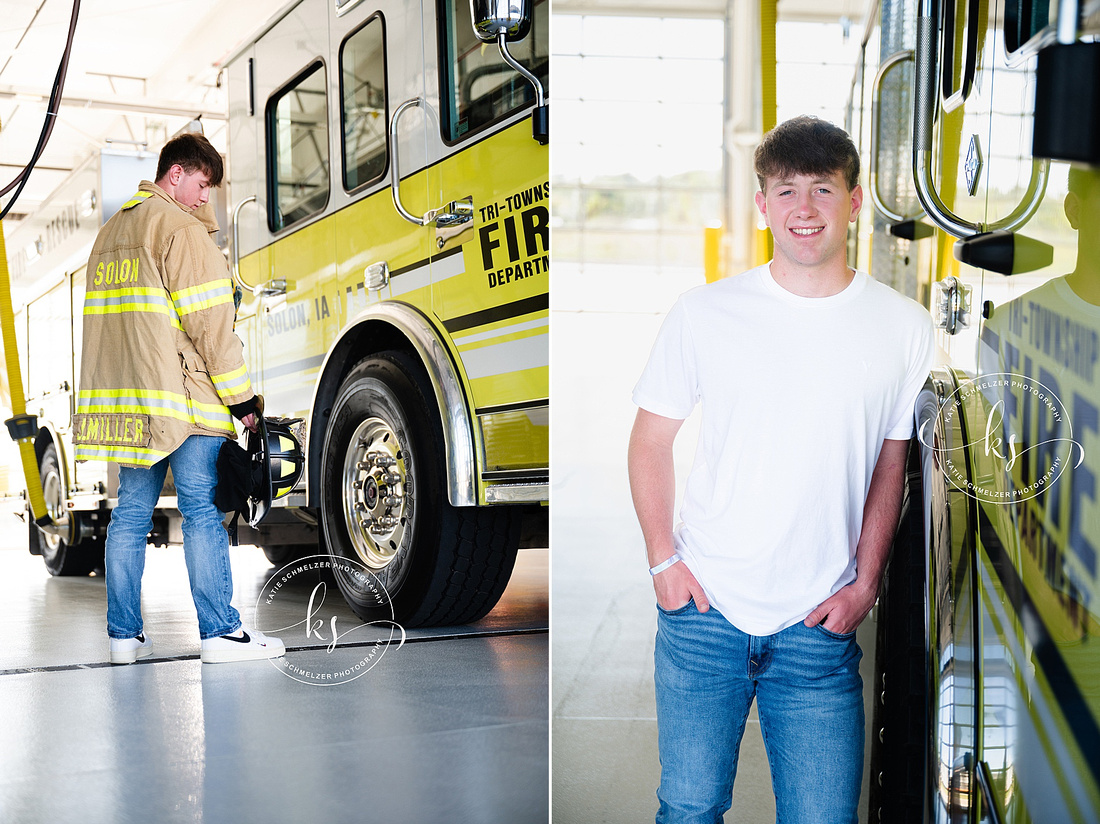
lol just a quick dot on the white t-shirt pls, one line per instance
(798, 395)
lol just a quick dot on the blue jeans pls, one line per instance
(809, 698)
(205, 541)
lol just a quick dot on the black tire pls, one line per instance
(60, 556)
(900, 728)
(282, 554)
(384, 504)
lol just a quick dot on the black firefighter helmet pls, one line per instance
(275, 453)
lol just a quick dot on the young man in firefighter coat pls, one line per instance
(162, 376)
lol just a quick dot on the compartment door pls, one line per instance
(490, 263)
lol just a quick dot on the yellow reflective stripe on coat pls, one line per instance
(139, 197)
(155, 402)
(233, 383)
(203, 296)
(130, 299)
(133, 455)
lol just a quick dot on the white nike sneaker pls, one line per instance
(243, 645)
(128, 650)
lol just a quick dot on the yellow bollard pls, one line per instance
(712, 254)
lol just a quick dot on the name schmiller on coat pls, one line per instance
(107, 429)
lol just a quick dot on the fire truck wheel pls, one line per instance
(384, 505)
(282, 554)
(900, 729)
(60, 556)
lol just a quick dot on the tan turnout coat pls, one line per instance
(160, 358)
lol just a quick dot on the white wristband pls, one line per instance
(661, 567)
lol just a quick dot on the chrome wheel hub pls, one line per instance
(376, 487)
(51, 491)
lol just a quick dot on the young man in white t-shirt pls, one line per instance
(807, 372)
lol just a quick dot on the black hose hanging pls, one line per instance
(51, 117)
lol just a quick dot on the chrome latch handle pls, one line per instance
(273, 288)
(454, 213)
(952, 305)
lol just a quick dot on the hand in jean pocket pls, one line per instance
(676, 586)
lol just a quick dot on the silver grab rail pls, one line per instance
(876, 87)
(455, 213)
(924, 108)
(395, 174)
(1033, 197)
(924, 116)
(236, 223)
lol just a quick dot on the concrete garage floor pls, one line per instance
(451, 726)
(605, 765)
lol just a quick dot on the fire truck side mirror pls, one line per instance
(504, 22)
(493, 17)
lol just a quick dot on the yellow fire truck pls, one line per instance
(980, 127)
(388, 224)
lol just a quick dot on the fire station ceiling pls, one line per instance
(138, 72)
(141, 69)
(823, 10)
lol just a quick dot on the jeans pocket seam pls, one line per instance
(678, 610)
(828, 633)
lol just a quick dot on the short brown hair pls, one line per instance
(806, 145)
(194, 153)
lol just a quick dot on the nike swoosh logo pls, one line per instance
(244, 639)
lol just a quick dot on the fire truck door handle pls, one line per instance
(455, 212)
(273, 288)
(237, 241)
(925, 107)
(951, 305)
(395, 172)
(876, 143)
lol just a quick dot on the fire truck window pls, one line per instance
(363, 93)
(1024, 19)
(476, 85)
(297, 135)
(961, 24)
